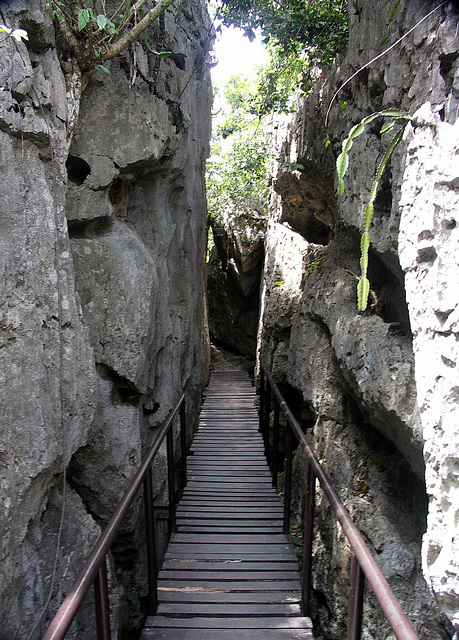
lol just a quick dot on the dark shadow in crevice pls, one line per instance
(93, 228)
(124, 391)
(388, 296)
(77, 170)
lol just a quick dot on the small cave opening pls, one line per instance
(123, 391)
(308, 202)
(387, 295)
(77, 170)
(92, 228)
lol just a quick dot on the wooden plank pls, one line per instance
(228, 565)
(228, 609)
(227, 529)
(271, 500)
(284, 622)
(180, 554)
(238, 585)
(229, 508)
(246, 597)
(263, 539)
(222, 475)
(232, 519)
(226, 634)
(228, 574)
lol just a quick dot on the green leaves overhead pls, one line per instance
(238, 169)
(294, 25)
(300, 34)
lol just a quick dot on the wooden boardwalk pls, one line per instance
(229, 571)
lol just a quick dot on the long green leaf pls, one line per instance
(365, 242)
(356, 130)
(388, 127)
(394, 113)
(394, 142)
(363, 291)
(368, 214)
(373, 192)
(342, 163)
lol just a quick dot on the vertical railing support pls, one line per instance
(171, 478)
(262, 402)
(288, 480)
(267, 420)
(183, 444)
(357, 580)
(276, 443)
(152, 570)
(102, 604)
(307, 540)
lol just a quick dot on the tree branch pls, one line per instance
(117, 47)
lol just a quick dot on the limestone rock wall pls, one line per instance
(375, 391)
(102, 231)
(233, 283)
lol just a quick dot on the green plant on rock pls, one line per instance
(342, 164)
(95, 35)
(315, 265)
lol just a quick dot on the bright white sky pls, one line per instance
(236, 54)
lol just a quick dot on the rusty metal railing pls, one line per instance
(95, 569)
(363, 564)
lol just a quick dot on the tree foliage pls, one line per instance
(301, 35)
(320, 26)
(239, 167)
(94, 34)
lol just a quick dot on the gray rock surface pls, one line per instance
(233, 283)
(377, 391)
(103, 324)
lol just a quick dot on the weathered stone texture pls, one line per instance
(378, 390)
(430, 258)
(233, 283)
(102, 322)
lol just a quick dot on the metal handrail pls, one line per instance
(95, 568)
(363, 564)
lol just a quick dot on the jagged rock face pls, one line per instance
(233, 284)
(103, 299)
(428, 250)
(377, 390)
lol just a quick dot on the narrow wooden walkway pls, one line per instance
(229, 571)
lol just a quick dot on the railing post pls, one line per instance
(152, 569)
(357, 581)
(183, 443)
(288, 479)
(171, 478)
(102, 603)
(262, 400)
(276, 442)
(310, 499)
(267, 419)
